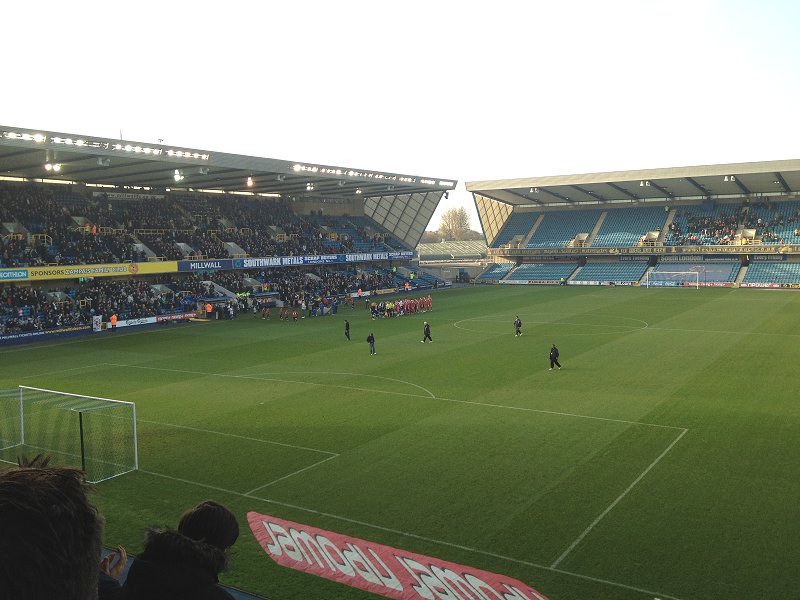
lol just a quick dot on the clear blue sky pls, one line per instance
(457, 90)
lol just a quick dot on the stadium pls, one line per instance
(658, 463)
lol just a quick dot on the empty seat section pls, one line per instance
(557, 229)
(519, 223)
(772, 272)
(549, 271)
(619, 271)
(495, 272)
(626, 226)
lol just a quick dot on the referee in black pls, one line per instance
(554, 358)
(426, 331)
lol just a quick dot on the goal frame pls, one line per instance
(693, 275)
(80, 426)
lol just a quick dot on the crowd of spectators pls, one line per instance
(48, 225)
(703, 229)
(26, 308)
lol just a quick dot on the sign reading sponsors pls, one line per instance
(376, 568)
(77, 271)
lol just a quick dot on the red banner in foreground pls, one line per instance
(377, 568)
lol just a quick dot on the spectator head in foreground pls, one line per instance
(210, 522)
(50, 533)
(185, 564)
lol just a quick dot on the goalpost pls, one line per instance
(96, 434)
(672, 279)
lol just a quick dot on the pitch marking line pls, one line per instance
(261, 487)
(394, 393)
(281, 380)
(526, 563)
(611, 506)
(237, 436)
(62, 371)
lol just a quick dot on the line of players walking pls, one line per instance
(426, 337)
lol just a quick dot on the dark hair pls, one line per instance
(210, 522)
(51, 533)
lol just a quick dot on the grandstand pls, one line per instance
(688, 215)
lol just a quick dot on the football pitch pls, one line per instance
(660, 462)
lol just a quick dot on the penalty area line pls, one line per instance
(619, 498)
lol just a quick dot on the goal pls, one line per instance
(96, 434)
(672, 278)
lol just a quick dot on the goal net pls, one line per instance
(672, 278)
(95, 434)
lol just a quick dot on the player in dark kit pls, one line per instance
(347, 329)
(554, 357)
(371, 342)
(517, 327)
(426, 331)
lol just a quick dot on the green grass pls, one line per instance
(660, 462)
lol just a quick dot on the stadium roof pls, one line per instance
(119, 163)
(772, 178)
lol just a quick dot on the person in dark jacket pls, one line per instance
(554, 357)
(426, 333)
(347, 329)
(185, 564)
(371, 342)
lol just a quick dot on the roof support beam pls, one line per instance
(664, 191)
(699, 187)
(594, 195)
(525, 196)
(741, 186)
(623, 191)
(564, 199)
(779, 178)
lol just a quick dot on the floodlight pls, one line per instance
(48, 167)
(358, 190)
(56, 167)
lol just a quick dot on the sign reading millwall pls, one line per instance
(380, 569)
(290, 261)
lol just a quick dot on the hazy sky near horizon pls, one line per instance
(455, 90)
